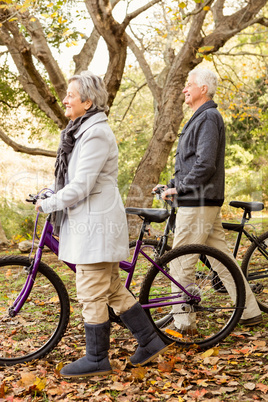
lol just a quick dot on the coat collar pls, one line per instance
(96, 118)
(207, 105)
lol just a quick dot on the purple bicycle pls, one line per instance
(35, 307)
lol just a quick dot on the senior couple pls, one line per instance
(86, 195)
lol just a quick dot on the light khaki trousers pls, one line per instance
(99, 285)
(203, 225)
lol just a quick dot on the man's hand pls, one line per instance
(169, 192)
(159, 185)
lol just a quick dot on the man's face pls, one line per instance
(193, 93)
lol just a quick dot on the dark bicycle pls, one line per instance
(255, 261)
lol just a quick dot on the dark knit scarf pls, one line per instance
(67, 142)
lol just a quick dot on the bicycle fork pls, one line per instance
(26, 290)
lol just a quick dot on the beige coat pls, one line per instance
(94, 227)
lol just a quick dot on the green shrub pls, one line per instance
(18, 220)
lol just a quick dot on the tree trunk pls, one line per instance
(3, 239)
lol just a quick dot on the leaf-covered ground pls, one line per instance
(235, 370)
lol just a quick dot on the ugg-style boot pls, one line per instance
(150, 344)
(96, 361)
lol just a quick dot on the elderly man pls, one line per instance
(198, 186)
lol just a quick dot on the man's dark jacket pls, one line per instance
(199, 166)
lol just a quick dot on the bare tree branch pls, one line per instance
(43, 53)
(241, 54)
(101, 14)
(26, 150)
(9, 105)
(137, 12)
(84, 58)
(116, 39)
(217, 11)
(133, 96)
(29, 77)
(229, 25)
(155, 89)
(262, 21)
(247, 44)
(198, 9)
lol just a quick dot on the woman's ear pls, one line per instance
(88, 104)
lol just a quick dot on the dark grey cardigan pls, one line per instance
(199, 166)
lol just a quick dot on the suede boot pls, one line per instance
(150, 344)
(96, 361)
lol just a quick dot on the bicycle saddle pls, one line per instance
(151, 214)
(247, 206)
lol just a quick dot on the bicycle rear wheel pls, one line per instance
(255, 269)
(43, 319)
(204, 321)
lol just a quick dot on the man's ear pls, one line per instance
(204, 89)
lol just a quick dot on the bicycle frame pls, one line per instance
(240, 229)
(47, 239)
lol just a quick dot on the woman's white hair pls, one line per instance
(91, 86)
(206, 77)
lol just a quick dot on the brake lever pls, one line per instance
(33, 198)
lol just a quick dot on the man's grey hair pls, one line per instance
(206, 77)
(91, 86)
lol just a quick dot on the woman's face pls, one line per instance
(72, 101)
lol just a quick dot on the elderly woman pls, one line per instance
(88, 214)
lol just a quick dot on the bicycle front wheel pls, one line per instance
(255, 269)
(207, 315)
(43, 319)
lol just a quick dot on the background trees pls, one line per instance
(167, 38)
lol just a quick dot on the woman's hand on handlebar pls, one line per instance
(38, 206)
(36, 199)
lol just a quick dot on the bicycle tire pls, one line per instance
(255, 268)
(214, 317)
(152, 243)
(42, 320)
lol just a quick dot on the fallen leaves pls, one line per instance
(138, 373)
(3, 389)
(166, 365)
(250, 385)
(262, 387)
(179, 375)
(236, 370)
(210, 352)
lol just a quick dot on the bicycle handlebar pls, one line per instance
(34, 197)
(158, 191)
